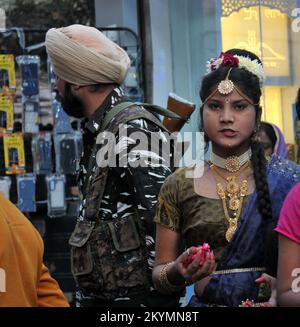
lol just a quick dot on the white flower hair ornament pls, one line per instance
(253, 66)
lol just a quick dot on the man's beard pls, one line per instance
(71, 104)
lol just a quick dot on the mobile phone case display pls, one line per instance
(7, 73)
(14, 156)
(56, 195)
(29, 68)
(6, 112)
(131, 82)
(31, 116)
(52, 78)
(5, 184)
(26, 192)
(42, 153)
(68, 149)
(62, 124)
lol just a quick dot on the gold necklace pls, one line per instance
(242, 168)
(232, 186)
(236, 195)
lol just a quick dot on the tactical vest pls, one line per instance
(109, 257)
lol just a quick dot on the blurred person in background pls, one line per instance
(272, 140)
(24, 280)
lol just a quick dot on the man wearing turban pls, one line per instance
(112, 246)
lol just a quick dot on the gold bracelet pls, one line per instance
(165, 283)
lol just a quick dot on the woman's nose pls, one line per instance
(226, 115)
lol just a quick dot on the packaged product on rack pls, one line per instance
(51, 78)
(7, 73)
(29, 66)
(26, 192)
(5, 184)
(62, 124)
(68, 149)
(31, 117)
(6, 113)
(42, 153)
(56, 195)
(14, 156)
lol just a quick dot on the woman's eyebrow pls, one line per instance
(215, 100)
(221, 101)
(238, 101)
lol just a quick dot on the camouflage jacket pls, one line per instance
(128, 190)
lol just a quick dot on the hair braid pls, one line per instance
(259, 170)
(265, 206)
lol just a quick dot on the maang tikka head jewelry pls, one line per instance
(226, 86)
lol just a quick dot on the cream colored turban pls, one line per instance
(82, 55)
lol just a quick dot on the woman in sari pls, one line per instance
(235, 201)
(272, 140)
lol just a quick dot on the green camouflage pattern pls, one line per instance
(111, 259)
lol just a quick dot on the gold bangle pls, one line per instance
(165, 283)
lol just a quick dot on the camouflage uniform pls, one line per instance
(107, 251)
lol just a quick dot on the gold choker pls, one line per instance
(233, 163)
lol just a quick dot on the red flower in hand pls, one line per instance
(203, 250)
(229, 60)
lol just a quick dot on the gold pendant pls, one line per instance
(244, 187)
(220, 191)
(231, 229)
(232, 186)
(234, 203)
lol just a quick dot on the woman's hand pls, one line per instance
(200, 267)
(269, 281)
(267, 285)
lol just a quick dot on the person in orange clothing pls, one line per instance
(24, 280)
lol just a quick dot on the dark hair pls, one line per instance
(249, 84)
(269, 130)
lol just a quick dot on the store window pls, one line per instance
(264, 27)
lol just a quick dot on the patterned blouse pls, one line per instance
(198, 219)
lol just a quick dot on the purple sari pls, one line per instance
(280, 147)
